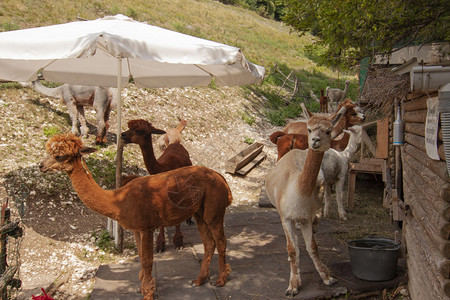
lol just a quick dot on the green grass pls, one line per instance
(263, 41)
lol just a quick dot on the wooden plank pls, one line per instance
(419, 129)
(435, 224)
(247, 168)
(368, 142)
(365, 168)
(382, 146)
(419, 142)
(242, 158)
(430, 184)
(415, 104)
(438, 167)
(425, 282)
(417, 116)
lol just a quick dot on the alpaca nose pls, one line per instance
(316, 142)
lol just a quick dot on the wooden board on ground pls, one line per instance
(244, 157)
(247, 168)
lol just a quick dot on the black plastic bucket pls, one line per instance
(373, 259)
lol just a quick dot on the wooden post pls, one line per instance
(6, 215)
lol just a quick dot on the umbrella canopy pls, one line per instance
(86, 53)
(108, 51)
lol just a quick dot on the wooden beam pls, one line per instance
(438, 167)
(415, 104)
(419, 142)
(417, 116)
(419, 129)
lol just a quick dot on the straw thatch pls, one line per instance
(382, 87)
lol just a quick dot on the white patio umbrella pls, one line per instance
(108, 51)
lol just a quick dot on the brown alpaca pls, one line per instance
(172, 135)
(149, 202)
(294, 187)
(323, 100)
(175, 156)
(353, 116)
(287, 142)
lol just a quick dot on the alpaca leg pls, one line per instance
(160, 241)
(339, 196)
(147, 282)
(221, 243)
(295, 281)
(209, 247)
(311, 247)
(178, 238)
(82, 119)
(73, 114)
(327, 200)
(137, 237)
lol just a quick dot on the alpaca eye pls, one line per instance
(309, 130)
(60, 157)
(328, 132)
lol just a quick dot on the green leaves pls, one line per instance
(354, 29)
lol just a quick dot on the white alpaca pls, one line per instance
(294, 187)
(335, 96)
(335, 166)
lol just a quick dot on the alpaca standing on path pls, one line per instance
(334, 168)
(294, 187)
(175, 156)
(78, 96)
(149, 202)
(335, 96)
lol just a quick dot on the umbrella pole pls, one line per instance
(116, 228)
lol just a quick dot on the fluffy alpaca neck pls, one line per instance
(351, 148)
(151, 163)
(341, 125)
(180, 127)
(92, 195)
(308, 176)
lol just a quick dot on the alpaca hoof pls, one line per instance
(197, 283)
(219, 283)
(292, 292)
(330, 281)
(160, 248)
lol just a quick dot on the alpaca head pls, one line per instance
(320, 127)
(355, 132)
(62, 150)
(182, 122)
(139, 132)
(354, 114)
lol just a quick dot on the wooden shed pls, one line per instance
(421, 166)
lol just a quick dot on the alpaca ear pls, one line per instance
(306, 113)
(338, 115)
(87, 150)
(158, 131)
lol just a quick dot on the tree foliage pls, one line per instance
(354, 29)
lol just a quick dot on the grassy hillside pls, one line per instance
(263, 41)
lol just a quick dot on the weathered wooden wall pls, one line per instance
(426, 188)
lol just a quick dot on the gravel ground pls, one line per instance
(61, 235)
(59, 241)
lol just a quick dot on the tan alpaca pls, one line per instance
(148, 202)
(335, 95)
(172, 135)
(354, 115)
(294, 186)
